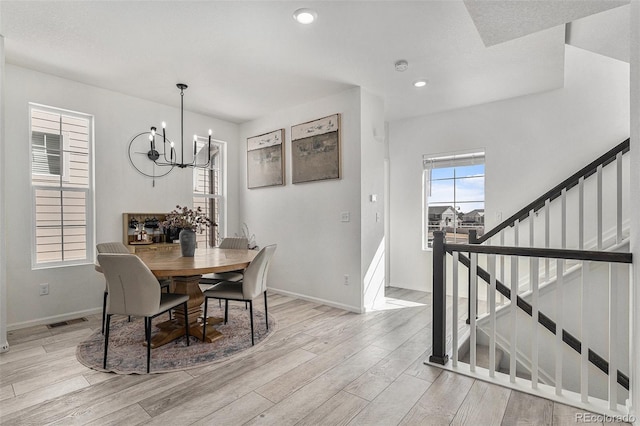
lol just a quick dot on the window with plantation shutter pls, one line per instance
(208, 191)
(62, 187)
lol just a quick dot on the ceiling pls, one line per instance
(243, 60)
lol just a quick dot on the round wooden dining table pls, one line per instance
(185, 273)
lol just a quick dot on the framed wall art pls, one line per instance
(315, 150)
(265, 159)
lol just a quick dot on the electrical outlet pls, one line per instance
(346, 280)
(345, 217)
(44, 289)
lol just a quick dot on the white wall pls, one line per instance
(4, 345)
(532, 143)
(118, 187)
(635, 205)
(315, 249)
(373, 151)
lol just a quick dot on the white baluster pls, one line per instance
(454, 309)
(619, 198)
(580, 213)
(547, 227)
(584, 353)
(533, 275)
(502, 268)
(599, 206)
(472, 310)
(559, 323)
(532, 216)
(531, 238)
(613, 336)
(486, 298)
(563, 218)
(491, 260)
(514, 318)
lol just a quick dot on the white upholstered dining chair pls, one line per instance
(236, 243)
(252, 285)
(117, 247)
(134, 290)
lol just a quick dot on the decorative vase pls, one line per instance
(187, 242)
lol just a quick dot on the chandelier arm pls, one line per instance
(172, 161)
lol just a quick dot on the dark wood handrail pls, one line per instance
(587, 255)
(573, 342)
(554, 193)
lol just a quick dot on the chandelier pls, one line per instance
(168, 146)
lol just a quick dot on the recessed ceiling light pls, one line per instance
(420, 83)
(305, 16)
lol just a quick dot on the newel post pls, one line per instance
(439, 323)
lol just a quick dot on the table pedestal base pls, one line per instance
(173, 329)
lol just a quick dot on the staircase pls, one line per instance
(561, 333)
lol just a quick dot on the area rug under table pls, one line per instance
(128, 354)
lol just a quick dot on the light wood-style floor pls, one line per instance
(323, 366)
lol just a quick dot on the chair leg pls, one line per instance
(104, 309)
(226, 310)
(186, 321)
(147, 326)
(168, 288)
(251, 315)
(204, 323)
(266, 318)
(106, 341)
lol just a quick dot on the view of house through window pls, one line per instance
(62, 186)
(453, 196)
(208, 192)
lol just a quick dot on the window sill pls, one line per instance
(61, 265)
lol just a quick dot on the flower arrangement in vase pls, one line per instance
(188, 221)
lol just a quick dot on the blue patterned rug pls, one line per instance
(128, 355)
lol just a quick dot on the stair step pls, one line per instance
(521, 374)
(482, 357)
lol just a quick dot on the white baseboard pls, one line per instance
(349, 308)
(52, 319)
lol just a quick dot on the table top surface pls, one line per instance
(205, 261)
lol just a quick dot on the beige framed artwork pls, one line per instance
(315, 150)
(265, 159)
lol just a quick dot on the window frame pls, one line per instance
(63, 187)
(222, 185)
(447, 159)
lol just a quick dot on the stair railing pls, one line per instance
(577, 179)
(587, 356)
(527, 217)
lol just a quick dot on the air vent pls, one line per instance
(68, 322)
